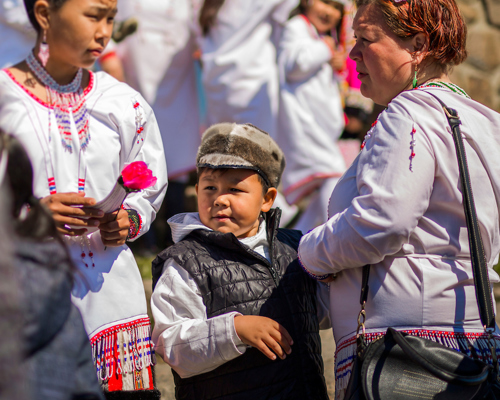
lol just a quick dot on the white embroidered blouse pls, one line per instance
(409, 223)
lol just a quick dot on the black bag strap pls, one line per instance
(478, 258)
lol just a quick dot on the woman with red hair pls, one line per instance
(399, 206)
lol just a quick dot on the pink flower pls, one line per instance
(137, 176)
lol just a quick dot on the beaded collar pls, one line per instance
(445, 85)
(42, 74)
(68, 103)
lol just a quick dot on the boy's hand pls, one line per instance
(264, 334)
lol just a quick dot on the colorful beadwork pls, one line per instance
(84, 242)
(368, 134)
(68, 102)
(135, 223)
(139, 122)
(81, 185)
(44, 53)
(445, 85)
(413, 143)
(345, 352)
(121, 351)
(52, 185)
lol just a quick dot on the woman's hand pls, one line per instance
(70, 214)
(264, 334)
(114, 228)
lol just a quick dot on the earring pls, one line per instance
(43, 53)
(415, 77)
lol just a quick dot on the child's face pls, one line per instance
(324, 15)
(231, 201)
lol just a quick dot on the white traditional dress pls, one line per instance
(17, 35)
(311, 118)
(240, 75)
(108, 288)
(158, 62)
(399, 208)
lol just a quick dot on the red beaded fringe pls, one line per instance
(123, 355)
(346, 350)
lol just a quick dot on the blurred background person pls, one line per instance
(16, 32)
(57, 358)
(311, 118)
(159, 61)
(12, 376)
(240, 75)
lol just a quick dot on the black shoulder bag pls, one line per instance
(399, 366)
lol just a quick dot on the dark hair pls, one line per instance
(265, 186)
(208, 14)
(30, 9)
(440, 20)
(301, 9)
(38, 223)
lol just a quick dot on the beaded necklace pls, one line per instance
(68, 102)
(72, 89)
(445, 85)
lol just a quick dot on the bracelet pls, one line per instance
(135, 224)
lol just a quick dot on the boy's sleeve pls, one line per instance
(183, 336)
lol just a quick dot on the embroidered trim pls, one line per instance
(413, 143)
(316, 277)
(123, 349)
(135, 223)
(40, 101)
(139, 121)
(445, 85)
(369, 134)
(346, 350)
(85, 242)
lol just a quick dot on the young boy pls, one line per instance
(235, 315)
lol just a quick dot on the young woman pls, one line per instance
(399, 207)
(80, 129)
(311, 118)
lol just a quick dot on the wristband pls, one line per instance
(135, 224)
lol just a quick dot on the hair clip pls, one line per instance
(400, 1)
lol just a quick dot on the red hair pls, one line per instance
(439, 20)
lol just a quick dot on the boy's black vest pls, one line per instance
(231, 277)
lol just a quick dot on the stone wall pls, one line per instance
(479, 75)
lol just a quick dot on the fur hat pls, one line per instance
(229, 145)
